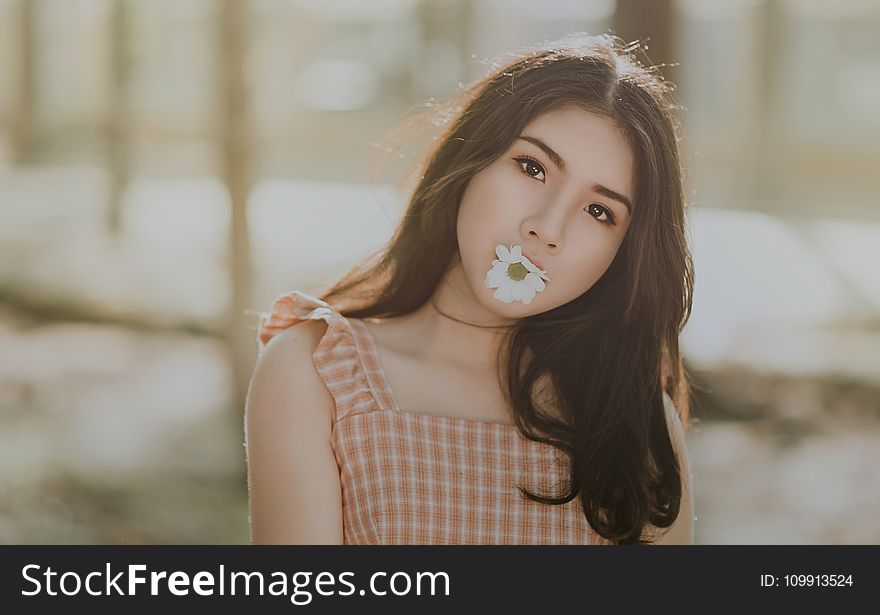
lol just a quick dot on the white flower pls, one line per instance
(514, 275)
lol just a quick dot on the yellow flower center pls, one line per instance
(517, 272)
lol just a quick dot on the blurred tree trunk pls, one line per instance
(444, 23)
(768, 157)
(24, 84)
(236, 169)
(118, 122)
(652, 22)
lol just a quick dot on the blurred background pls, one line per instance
(168, 168)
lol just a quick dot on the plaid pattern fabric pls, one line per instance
(412, 478)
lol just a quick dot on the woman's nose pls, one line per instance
(550, 244)
(548, 225)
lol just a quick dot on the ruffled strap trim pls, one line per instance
(336, 357)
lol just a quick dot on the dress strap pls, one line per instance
(339, 356)
(372, 362)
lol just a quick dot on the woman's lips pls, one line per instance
(534, 262)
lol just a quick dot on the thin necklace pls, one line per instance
(464, 322)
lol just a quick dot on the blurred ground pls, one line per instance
(116, 435)
(786, 460)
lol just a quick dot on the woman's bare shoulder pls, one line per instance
(306, 333)
(285, 370)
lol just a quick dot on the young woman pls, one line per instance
(508, 370)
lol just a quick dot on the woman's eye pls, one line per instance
(597, 211)
(531, 167)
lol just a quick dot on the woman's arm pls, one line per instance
(293, 480)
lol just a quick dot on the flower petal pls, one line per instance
(515, 291)
(516, 253)
(502, 252)
(535, 282)
(534, 269)
(526, 292)
(496, 275)
(530, 265)
(504, 293)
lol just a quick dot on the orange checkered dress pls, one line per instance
(411, 478)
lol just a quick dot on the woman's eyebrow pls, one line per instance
(560, 164)
(551, 153)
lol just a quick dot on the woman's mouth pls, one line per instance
(534, 261)
(515, 275)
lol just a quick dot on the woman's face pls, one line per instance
(561, 192)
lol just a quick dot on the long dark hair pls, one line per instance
(605, 352)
